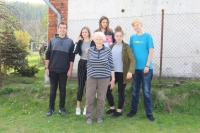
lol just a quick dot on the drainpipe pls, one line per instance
(54, 9)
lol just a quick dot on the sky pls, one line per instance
(31, 1)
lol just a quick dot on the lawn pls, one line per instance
(24, 104)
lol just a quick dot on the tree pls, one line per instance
(7, 14)
(44, 21)
(12, 54)
(22, 37)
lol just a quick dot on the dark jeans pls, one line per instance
(145, 79)
(121, 88)
(55, 79)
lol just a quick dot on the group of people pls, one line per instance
(105, 59)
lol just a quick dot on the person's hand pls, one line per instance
(78, 38)
(146, 69)
(86, 50)
(47, 72)
(69, 73)
(129, 75)
(112, 84)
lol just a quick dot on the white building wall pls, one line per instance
(181, 47)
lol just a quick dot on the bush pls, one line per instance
(28, 71)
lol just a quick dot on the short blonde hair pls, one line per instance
(101, 34)
(136, 21)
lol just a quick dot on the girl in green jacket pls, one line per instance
(124, 66)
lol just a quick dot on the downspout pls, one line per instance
(54, 9)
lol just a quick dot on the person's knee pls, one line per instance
(147, 93)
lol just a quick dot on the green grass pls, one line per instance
(24, 104)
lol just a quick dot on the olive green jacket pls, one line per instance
(128, 60)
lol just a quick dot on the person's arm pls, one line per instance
(150, 55)
(69, 73)
(71, 58)
(48, 55)
(77, 47)
(132, 63)
(112, 82)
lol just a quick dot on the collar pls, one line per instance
(95, 48)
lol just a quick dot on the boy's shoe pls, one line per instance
(50, 112)
(78, 111)
(62, 111)
(84, 111)
(150, 117)
(89, 121)
(99, 120)
(131, 113)
(110, 111)
(116, 114)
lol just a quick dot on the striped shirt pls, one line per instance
(100, 62)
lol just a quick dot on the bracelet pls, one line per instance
(147, 66)
(46, 68)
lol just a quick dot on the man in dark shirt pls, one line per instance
(58, 66)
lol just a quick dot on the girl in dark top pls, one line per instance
(82, 45)
(104, 27)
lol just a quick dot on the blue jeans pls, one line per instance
(145, 79)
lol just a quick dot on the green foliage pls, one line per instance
(44, 21)
(159, 105)
(12, 55)
(8, 90)
(31, 11)
(30, 101)
(28, 71)
(9, 14)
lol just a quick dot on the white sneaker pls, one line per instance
(78, 111)
(84, 111)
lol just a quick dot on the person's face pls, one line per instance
(104, 23)
(85, 33)
(98, 40)
(137, 27)
(62, 29)
(118, 37)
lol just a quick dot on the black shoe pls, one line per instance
(115, 115)
(110, 111)
(50, 112)
(150, 117)
(62, 111)
(131, 113)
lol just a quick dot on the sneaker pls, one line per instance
(116, 114)
(62, 111)
(84, 111)
(150, 117)
(131, 113)
(78, 111)
(99, 120)
(50, 112)
(89, 121)
(110, 111)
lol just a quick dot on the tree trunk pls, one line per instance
(5, 70)
(0, 69)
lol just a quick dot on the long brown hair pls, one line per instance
(107, 30)
(85, 28)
